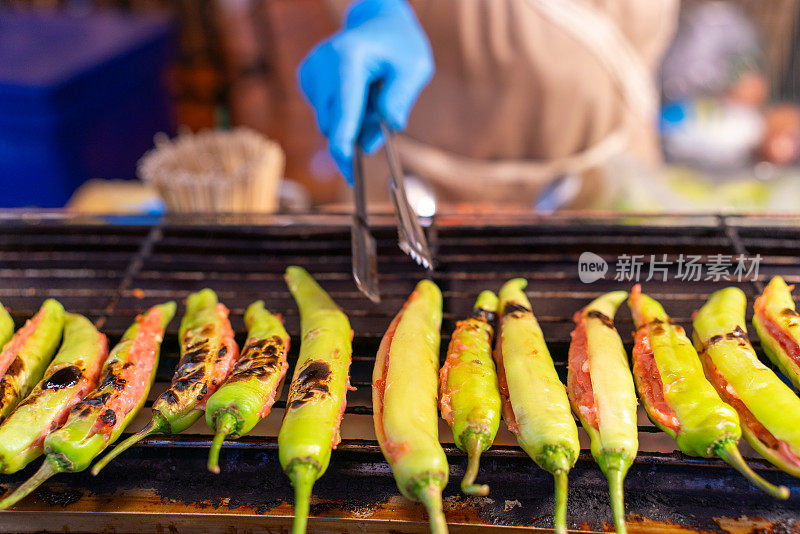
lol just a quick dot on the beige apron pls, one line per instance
(528, 89)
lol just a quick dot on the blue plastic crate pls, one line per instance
(80, 97)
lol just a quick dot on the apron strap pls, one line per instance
(452, 170)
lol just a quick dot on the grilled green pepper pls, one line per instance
(601, 391)
(768, 408)
(100, 418)
(469, 398)
(778, 326)
(71, 376)
(317, 394)
(249, 392)
(405, 383)
(676, 395)
(6, 328)
(208, 353)
(535, 404)
(25, 357)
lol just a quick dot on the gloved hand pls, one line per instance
(380, 48)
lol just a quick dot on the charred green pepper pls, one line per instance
(768, 408)
(469, 398)
(405, 384)
(208, 353)
(317, 394)
(71, 376)
(600, 388)
(249, 392)
(778, 326)
(25, 357)
(6, 328)
(99, 419)
(676, 395)
(535, 404)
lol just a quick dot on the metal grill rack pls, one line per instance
(111, 268)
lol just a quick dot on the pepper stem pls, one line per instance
(46, 471)
(225, 424)
(431, 497)
(728, 451)
(474, 447)
(616, 479)
(560, 513)
(303, 475)
(152, 427)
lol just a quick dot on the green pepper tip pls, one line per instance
(47, 470)
(486, 301)
(252, 310)
(168, 310)
(609, 302)
(204, 298)
(225, 425)
(306, 291)
(517, 283)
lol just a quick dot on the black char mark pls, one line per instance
(192, 372)
(260, 359)
(312, 381)
(8, 383)
(95, 400)
(111, 379)
(16, 368)
(109, 417)
(190, 380)
(65, 377)
(515, 310)
(8, 391)
(484, 315)
(738, 334)
(600, 316)
(170, 397)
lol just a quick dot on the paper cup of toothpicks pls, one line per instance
(236, 171)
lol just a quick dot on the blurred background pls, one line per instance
(85, 85)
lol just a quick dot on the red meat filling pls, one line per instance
(393, 450)
(579, 379)
(222, 366)
(508, 409)
(12, 348)
(134, 375)
(775, 330)
(729, 395)
(651, 388)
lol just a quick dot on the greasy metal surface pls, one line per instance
(111, 269)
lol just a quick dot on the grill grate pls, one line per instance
(110, 269)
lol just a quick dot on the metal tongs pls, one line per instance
(411, 238)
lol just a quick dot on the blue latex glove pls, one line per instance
(382, 49)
